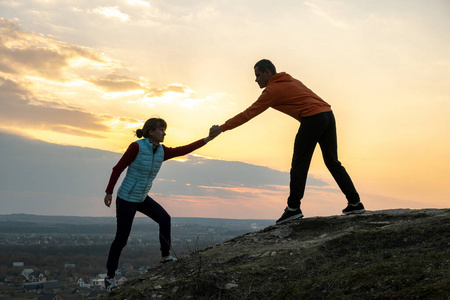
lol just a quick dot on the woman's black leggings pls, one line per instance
(320, 128)
(125, 212)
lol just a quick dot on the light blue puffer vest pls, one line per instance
(141, 172)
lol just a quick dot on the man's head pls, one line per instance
(264, 70)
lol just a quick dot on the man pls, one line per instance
(290, 96)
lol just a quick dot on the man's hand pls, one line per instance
(108, 199)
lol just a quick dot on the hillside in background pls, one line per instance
(401, 254)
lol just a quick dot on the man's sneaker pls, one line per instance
(110, 284)
(168, 259)
(357, 208)
(290, 214)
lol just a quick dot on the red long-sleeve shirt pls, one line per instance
(130, 155)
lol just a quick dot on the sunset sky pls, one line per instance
(89, 73)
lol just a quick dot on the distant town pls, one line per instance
(57, 257)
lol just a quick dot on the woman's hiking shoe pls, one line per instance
(110, 284)
(168, 259)
(290, 214)
(357, 208)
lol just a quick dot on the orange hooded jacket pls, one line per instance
(283, 93)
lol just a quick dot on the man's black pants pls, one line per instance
(320, 128)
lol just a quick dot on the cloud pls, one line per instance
(36, 70)
(116, 83)
(176, 88)
(48, 89)
(112, 12)
(67, 180)
(227, 179)
(120, 83)
(39, 58)
(28, 54)
(49, 179)
(21, 109)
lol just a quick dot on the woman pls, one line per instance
(143, 159)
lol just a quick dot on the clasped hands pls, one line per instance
(213, 132)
